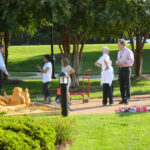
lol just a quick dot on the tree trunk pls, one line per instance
(138, 56)
(6, 42)
(75, 62)
(65, 42)
(131, 38)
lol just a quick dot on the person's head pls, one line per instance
(1, 48)
(64, 61)
(105, 50)
(47, 58)
(121, 43)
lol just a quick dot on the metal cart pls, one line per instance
(84, 94)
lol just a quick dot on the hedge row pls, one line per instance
(28, 133)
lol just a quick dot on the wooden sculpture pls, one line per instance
(8, 97)
(3, 101)
(17, 97)
(26, 96)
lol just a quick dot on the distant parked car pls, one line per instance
(134, 40)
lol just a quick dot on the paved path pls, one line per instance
(38, 75)
(95, 107)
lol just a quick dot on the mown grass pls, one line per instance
(123, 131)
(126, 131)
(35, 88)
(22, 74)
(25, 58)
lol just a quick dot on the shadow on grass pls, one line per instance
(127, 114)
(88, 61)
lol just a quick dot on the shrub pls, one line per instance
(65, 128)
(25, 133)
(35, 133)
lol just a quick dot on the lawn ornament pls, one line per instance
(17, 97)
(3, 101)
(8, 97)
(26, 96)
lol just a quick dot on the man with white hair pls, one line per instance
(107, 75)
(125, 60)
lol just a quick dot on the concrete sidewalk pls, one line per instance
(95, 105)
(38, 75)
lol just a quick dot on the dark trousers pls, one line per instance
(124, 78)
(46, 89)
(107, 92)
(1, 77)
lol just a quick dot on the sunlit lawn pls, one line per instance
(25, 58)
(126, 131)
(22, 74)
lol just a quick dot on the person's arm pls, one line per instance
(2, 50)
(72, 71)
(117, 61)
(130, 58)
(3, 68)
(97, 64)
(41, 70)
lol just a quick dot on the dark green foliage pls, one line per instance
(25, 133)
(65, 128)
(35, 133)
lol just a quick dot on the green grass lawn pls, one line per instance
(122, 131)
(25, 58)
(35, 88)
(126, 131)
(22, 74)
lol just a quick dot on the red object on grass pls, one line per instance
(134, 108)
(86, 75)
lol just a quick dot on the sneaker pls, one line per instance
(112, 104)
(127, 102)
(122, 102)
(69, 104)
(104, 104)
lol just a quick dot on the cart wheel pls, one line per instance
(57, 99)
(85, 101)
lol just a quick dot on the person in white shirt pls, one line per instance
(107, 75)
(69, 70)
(47, 77)
(2, 66)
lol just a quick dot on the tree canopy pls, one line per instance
(75, 21)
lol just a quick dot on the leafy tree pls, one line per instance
(72, 21)
(131, 17)
(15, 16)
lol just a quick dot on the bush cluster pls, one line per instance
(35, 133)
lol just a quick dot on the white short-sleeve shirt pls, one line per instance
(47, 77)
(67, 69)
(2, 65)
(108, 75)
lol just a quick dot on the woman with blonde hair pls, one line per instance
(69, 70)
